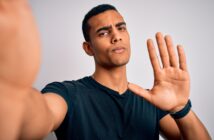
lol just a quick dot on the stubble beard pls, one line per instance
(111, 64)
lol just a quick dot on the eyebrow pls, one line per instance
(120, 23)
(109, 27)
(103, 28)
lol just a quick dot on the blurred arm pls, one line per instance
(24, 112)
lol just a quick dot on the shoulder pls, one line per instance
(78, 85)
(66, 86)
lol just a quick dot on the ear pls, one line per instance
(88, 49)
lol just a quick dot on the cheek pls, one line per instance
(101, 52)
(127, 39)
(100, 47)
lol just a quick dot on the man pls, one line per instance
(95, 107)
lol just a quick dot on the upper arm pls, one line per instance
(169, 128)
(57, 106)
(43, 114)
(57, 99)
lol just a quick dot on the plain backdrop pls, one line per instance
(190, 23)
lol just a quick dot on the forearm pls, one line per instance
(191, 128)
(39, 119)
(10, 113)
(25, 111)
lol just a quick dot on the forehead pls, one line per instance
(110, 17)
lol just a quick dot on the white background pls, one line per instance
(190, 23)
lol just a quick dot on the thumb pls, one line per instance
(140, 91)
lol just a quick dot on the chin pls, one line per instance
(120, 63)
(113, 62)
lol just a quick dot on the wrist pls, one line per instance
(183, 111)
(177, 109)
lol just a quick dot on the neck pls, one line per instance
(113, 78)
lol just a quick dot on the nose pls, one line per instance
(116, 37)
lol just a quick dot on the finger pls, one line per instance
(140, 91)
(163, 50)
(153, 56)
(182, 58)
(172, 55)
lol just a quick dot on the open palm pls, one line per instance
(171, 80)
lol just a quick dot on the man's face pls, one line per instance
(109, 39)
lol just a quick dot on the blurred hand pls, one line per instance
(19, 44)
(171, 80)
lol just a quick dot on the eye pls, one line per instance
(122, 28)
(103, 33)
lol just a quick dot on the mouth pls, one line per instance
(118, 50)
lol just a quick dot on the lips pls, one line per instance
(118, 50)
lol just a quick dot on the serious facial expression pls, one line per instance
(109, 39)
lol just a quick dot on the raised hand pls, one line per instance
(171, 79)
(19, 44)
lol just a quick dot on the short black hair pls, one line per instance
(93, 12)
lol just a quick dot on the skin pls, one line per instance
(19, 51)
(19, 56)
(19, 59)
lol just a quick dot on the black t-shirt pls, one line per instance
(96, 112)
